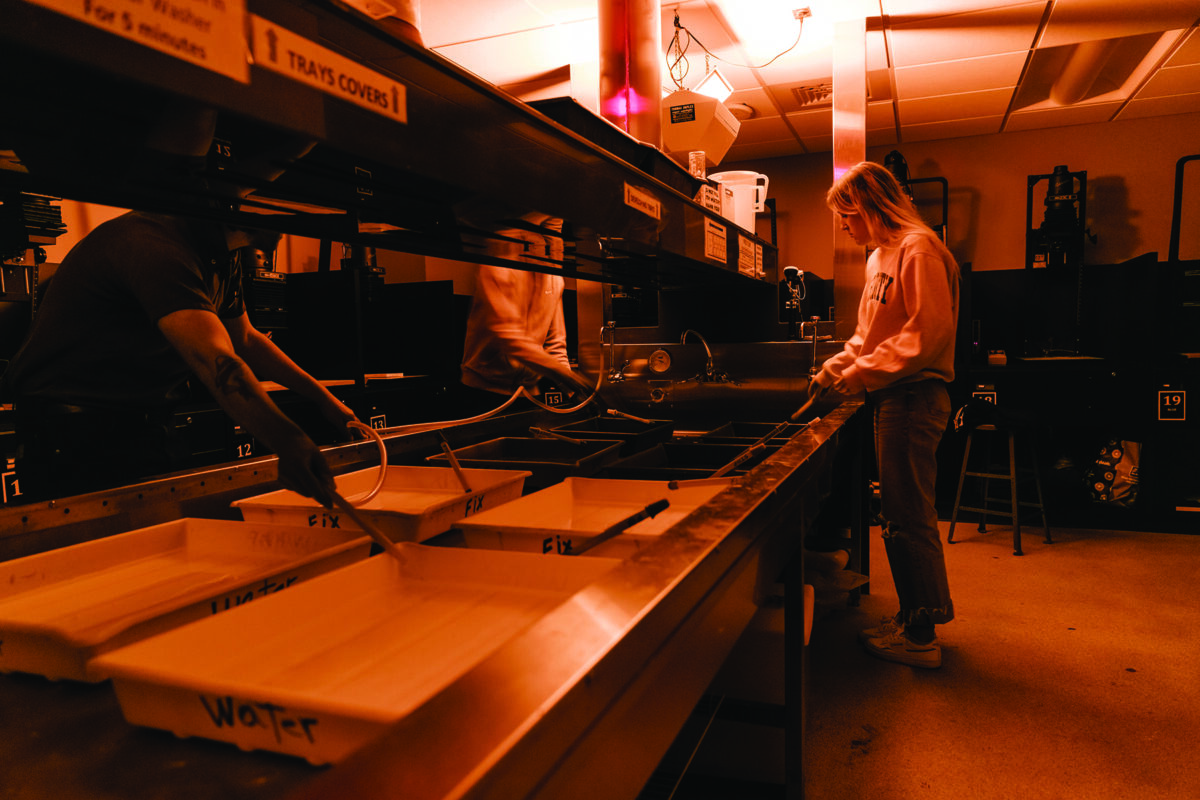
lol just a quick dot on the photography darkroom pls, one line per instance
(599, 399)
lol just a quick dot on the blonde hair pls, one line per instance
(870, 190)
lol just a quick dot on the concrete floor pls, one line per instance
(1069, 672)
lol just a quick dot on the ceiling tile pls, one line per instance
(980, 33)
(900, 10)
(752, 152)
(881, 116)
(1056, 117)
(952, 130)
(1177, 80)
(967, 105)
(469, 20)
(1074, 21)
(1160, 106)
(525, 55)
(1188, 53)
(771, 129)
(811, 123)
(882, 137)
(818, 144)
(877, 51)
(968, 74)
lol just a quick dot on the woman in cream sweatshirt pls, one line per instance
(902, 356)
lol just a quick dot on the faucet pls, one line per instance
(710, 370)
(617, 375)
(609, 327)
(812, 326)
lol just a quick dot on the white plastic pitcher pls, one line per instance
(743, 193)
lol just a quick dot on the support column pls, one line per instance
(631, 57)
(849, 148)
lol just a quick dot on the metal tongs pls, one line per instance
(462, 478)
(555, 435)
(738, 459)
(379, 536)
(651, 510)
(613, 412)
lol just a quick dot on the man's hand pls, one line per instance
(303, 469)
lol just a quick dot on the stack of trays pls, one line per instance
(61, 609)
(566, 517)
(324, 668)
(414, 503)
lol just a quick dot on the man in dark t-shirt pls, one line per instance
(141, 304)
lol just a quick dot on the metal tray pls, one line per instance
(548, 460)
(685, 460)
(753, 430)
(633, 435)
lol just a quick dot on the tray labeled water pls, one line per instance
(60, 609)
(324, 668)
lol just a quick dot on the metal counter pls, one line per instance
(593, 693)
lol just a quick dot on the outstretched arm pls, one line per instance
(268, 362)
(203, 342)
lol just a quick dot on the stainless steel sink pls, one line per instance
(758, 381)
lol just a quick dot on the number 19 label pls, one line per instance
(1172, 404)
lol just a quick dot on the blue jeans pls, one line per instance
(909, 421)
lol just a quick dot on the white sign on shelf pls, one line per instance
(747, 264)
(715, 241)
(207, 33)
(307, 62)
(643, 201)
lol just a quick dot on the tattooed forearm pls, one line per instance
(231, 377)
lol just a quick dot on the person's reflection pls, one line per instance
(139, 305)
(516, 336)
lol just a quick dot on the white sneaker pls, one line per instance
(902, 650)
(887, 627)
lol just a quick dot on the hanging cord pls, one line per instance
(520, 392)
(692, 37)
(553, 409)
(676, 60)
(362, 499)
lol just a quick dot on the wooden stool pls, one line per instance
(1010, 505)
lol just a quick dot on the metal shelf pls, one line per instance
(469, 158)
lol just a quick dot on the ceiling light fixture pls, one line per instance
(715, 86)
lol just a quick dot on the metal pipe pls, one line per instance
(630, 67)
(708, 366)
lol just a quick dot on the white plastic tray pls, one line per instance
(566, 516)
(322, 669)
(414, 504)
(61, 608)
